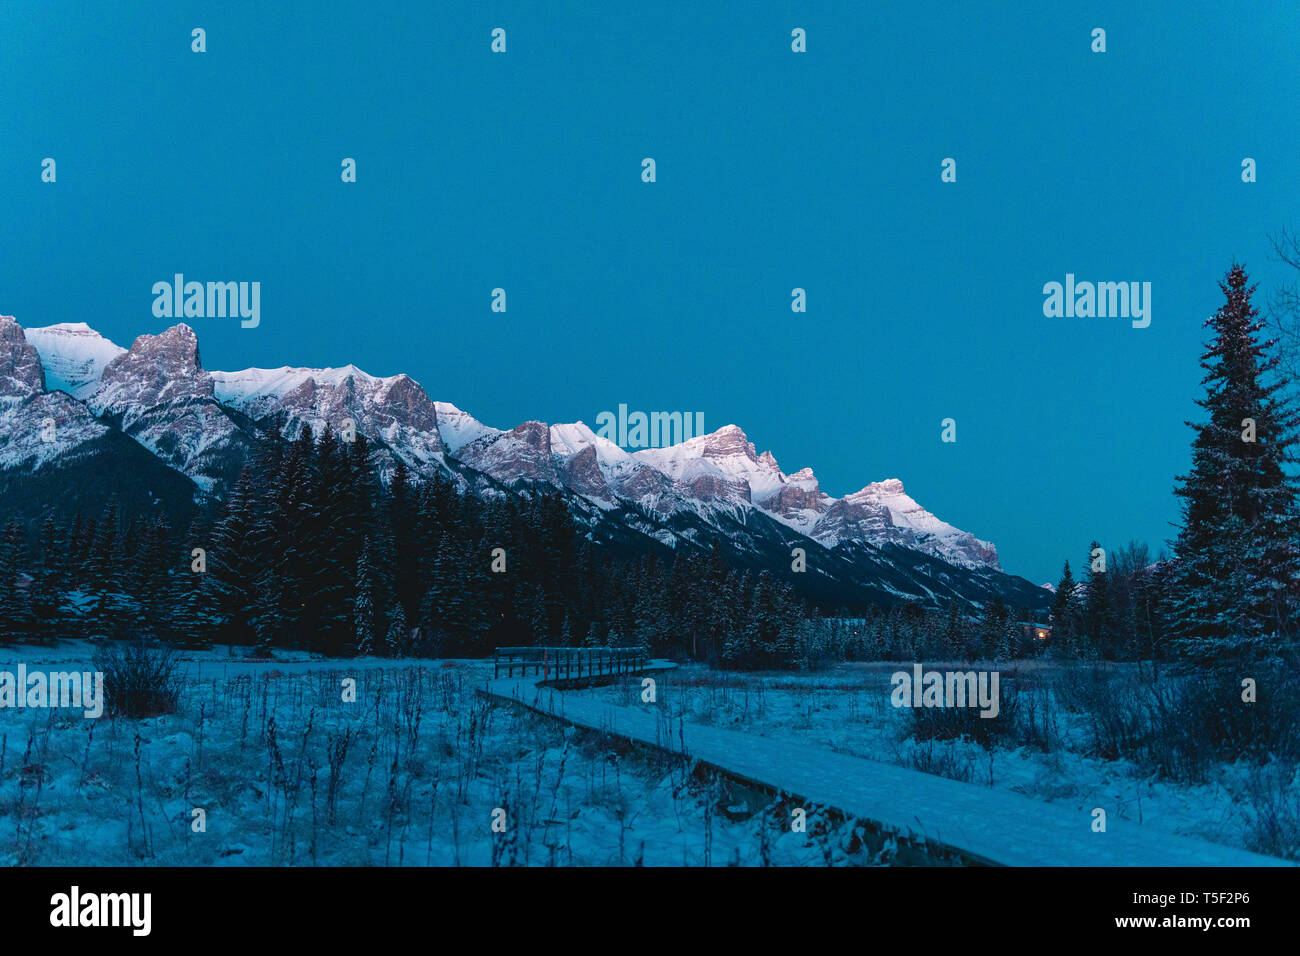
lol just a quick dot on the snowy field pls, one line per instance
(848, 709)
(411, 773)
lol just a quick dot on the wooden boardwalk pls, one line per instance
(971, 823)
(569, 666)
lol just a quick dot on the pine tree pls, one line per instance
(1013, 636)
(954, 633)
(363, 611)
(722, 600)
(288, 563)
(116, 613)
(267, 620)
(402, 518)
(1065, 614)
(1099, 624)
(15, 602)
(1236, 576)
(686, 601)
(1154, 603)
(397, 642)
(151, 580)
(105, 565)
(192, 624)
(233, 562)
(993, 630)
(48, 584)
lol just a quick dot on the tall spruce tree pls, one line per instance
(363, 609)
(1237, 559)
(1065, 614)
(1099, 617)
(15, 604)
(48, 584)
(398, 641)
(993, 629)
(233, 562)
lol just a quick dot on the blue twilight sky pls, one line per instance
(775, 170)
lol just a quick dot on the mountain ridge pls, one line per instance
(205, 425)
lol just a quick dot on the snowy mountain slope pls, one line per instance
(21, 374)
(882, 512)
(44, 430)
(799, 501)
(73, 355)
(522, 454)
(457, 428)
(925, 531)
(596, 462)
(394, 411)
(718, 465)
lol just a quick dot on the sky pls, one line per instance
(775, 170)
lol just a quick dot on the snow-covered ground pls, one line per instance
(848, 710)
(287, 772)
(411, 773)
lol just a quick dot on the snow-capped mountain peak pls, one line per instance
(459, 428)
(156, 369)
(394, 409)
(250, 386)
(884, 509)
(74, 356)
(804, 478)
(38, 428)
(720, 465)
(605, 471)
(571, 439)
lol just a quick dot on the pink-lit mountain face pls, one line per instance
(204, 426)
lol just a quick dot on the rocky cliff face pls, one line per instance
(799, 502)
(158, 393)
(395, 412)
(521, 454)
(21, 372)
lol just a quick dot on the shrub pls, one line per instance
(1273, 817)
(949, 760)
(955, 723)
(1035, 715)
(1202, 719)
(140, 679)
(1181, 726)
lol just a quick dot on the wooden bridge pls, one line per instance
(570, 666)
(927, 819)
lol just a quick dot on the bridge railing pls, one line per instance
(569, 663)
